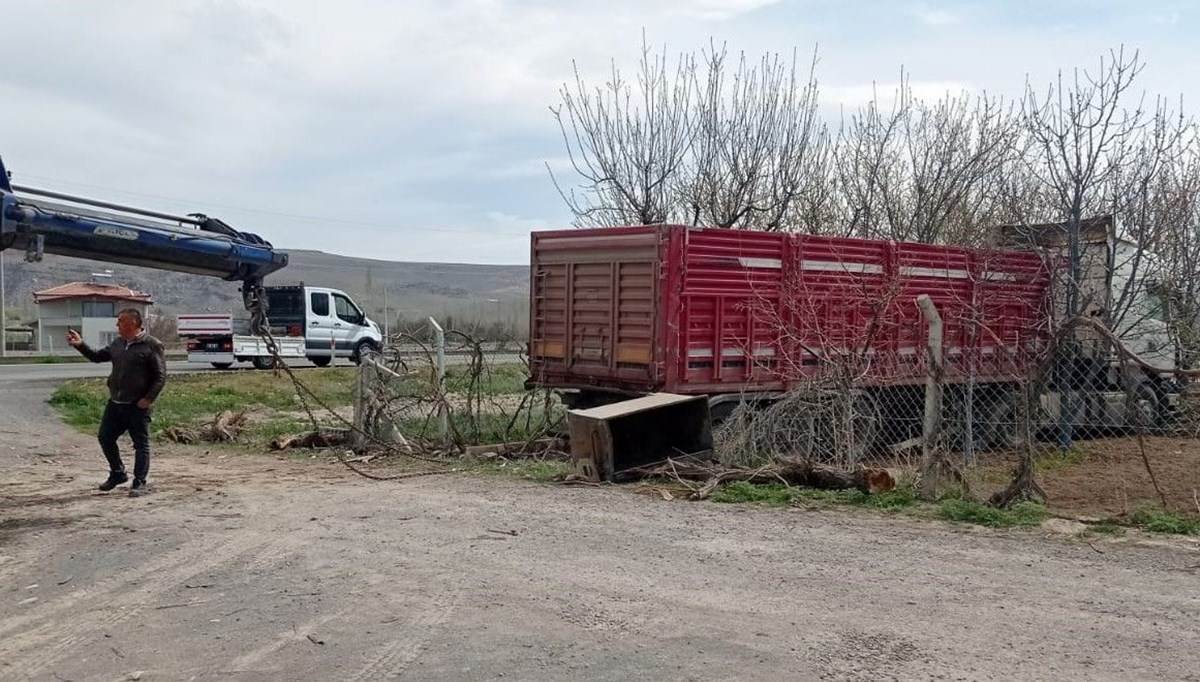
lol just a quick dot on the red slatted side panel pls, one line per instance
(1012, 290)
(835, 308)
(944, 273)
(729, 301)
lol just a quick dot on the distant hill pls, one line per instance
(487, 292)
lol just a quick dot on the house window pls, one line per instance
(99, 309)
(107, 338)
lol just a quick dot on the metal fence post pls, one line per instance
(439, 344)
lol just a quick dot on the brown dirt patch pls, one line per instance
(1108, 477)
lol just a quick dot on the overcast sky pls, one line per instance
(420, 130)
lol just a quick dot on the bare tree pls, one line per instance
(752, 139)
(1075, 129)
(627, 145)
(868, 161)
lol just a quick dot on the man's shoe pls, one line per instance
(113, 481)
(137, 489)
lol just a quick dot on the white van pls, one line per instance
(327, 321)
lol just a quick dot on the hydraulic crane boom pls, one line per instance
(40, 221)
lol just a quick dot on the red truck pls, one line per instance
(742, 315)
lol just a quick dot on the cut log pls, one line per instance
(810, 475)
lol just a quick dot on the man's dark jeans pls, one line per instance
(119, 418)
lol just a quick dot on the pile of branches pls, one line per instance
(406, 400)
(817, 423)
(702, 478)
(224, 428)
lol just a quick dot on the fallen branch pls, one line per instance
(534, 448)
(224, 427)
(788, 472)
(311, 439)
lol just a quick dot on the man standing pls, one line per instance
(139, 372)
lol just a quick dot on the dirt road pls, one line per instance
(253, 568)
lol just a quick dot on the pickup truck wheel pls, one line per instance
(320, 360)
(263, 362)
(221, 365)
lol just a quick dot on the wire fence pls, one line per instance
(1090, 426)
(449, 393)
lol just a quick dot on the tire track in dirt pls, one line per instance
(33, 651)
(98, 589)
(402, 651)
(249, 661)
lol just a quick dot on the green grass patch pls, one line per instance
(495, 380)
(483, 429)
(192, 398)
(1059, 461)
(778, 494)
(1157, 520)
(267, 431)
(543, 471)
(1019, 515)
(741, 492)
(1107, 528)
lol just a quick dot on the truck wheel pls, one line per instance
(263, 362)
(362, 347)
(998, 422)
(1145, 411)
(320, 360)
(221, 365)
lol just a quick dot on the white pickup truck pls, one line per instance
(316, 323)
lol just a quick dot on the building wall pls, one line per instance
(54, 317)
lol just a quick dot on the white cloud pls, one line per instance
(421, 129)
(718, 10)
(935, 16)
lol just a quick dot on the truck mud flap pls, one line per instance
(613, 438)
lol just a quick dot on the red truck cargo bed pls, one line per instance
(705, 310)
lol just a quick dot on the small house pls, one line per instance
(89, 308)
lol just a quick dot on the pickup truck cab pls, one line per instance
(317, 323)
(332, 324)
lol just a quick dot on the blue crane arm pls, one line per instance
(40, 221)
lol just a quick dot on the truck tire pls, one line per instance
(362, 347)
(1145, 411)
(320, 360)
(221, 365)
(998, 421)
(263, 362)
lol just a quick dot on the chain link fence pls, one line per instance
(1087, 425)
(448, 393)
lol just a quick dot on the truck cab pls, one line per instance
(332, 324)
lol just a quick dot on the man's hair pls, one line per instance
(133, 313)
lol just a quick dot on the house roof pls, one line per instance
(91, 291)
